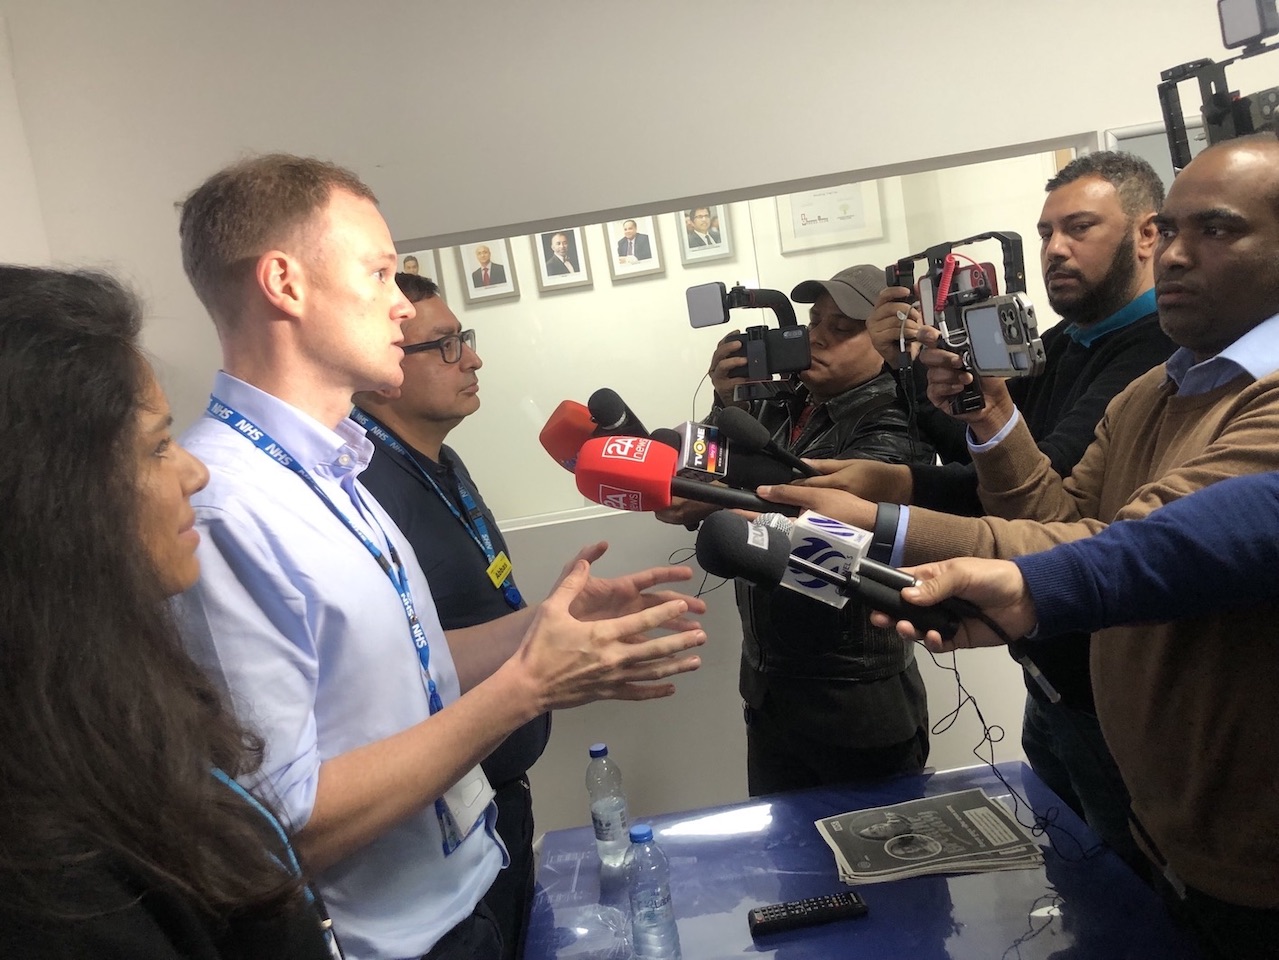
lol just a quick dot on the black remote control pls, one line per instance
(805, 913)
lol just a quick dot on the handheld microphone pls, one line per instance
(703, 453)
(638, 473)
(875, 573)
(747, 433)
(613, 416)
(567, 428)
(729, 546)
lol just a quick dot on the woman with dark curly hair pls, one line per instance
(122, 831)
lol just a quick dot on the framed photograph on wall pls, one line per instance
(424, 263)
(634, 248)
(561, 259)
(487, 270)
(704, 233)
(830, 217)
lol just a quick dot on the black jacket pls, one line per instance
(784, 633)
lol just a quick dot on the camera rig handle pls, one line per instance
(773, 300)
(902, 274)
(1225, 113)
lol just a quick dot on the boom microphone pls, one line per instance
(567, 428)
(637, 473)
(747, 433)
(612, 415)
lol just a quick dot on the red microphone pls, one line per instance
(566, 430)
(638, 473)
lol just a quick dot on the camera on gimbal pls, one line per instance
(996, 334)
(770, 352)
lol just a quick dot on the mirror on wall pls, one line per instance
(579, 306)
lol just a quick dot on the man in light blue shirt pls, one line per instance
(312, 607)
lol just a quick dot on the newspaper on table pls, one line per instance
(962, 832)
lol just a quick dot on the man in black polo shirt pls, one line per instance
(426, 489)
(1097, 240)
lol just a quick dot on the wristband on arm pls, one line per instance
(887, 516)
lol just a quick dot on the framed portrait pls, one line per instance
(487, 270)
(634, 248)
(830, 217)
(424, 263)
(561, 259)
(704, 233)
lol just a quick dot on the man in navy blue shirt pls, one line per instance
(428, 492)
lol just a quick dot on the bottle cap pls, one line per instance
(599, 750)
(641, 833)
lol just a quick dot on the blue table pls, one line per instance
(726, 860)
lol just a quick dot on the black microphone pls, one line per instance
(747, 433)
(873, 576)
(730, 546)
(613, 416)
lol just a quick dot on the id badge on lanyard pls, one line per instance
(466, 802)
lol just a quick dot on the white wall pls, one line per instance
(532, 115)
(535, 114)
(22, 238)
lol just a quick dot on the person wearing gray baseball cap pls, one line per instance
(828, 698)
(855, 290)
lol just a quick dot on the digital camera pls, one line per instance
(770, 352)
(997, 335)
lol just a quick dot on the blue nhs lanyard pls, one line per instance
(474, 522)
(326, 925)
(393, 568)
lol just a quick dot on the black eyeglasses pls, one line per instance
(450, 347)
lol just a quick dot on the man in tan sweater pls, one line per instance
(1187, 708)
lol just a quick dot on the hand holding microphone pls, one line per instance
(826, 561)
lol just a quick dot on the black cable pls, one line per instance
(1044, 824)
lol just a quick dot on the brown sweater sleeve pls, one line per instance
(1151, 447)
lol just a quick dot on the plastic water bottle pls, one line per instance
(608, 806)
(654, 935)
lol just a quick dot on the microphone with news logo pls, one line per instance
(567, 428)
(818, 557)
(828, 566)
(639, 473)
(705, 454)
